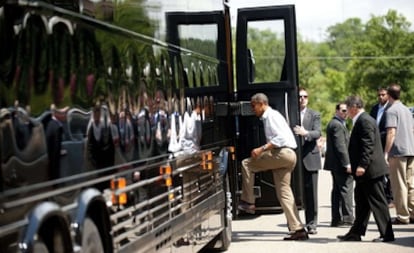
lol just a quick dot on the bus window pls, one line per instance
(198, 38)
(269, 51)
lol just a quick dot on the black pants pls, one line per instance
(342, 197)
(311, 198)
(370, 197)
(387, 188)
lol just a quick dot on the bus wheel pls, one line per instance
(39, 247)
(223, 240)
(225, 235)
(91, 240)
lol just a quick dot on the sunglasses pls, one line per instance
(343, 110)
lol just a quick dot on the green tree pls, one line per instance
(384, 55)
(269, 53)
(341, 40)
(324, 83)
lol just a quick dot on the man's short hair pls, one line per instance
(382, 88)
(260, 98)
(354, 101)
(394, 91)
(338, 105)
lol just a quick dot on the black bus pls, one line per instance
(123, 122)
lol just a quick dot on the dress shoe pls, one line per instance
(341, 224)
(349, 237)
(397, 221)
(299, 235)
(291, 232)
(384, 239)
(312, 231)
(347, 224)
(247, 207)
(335, 223)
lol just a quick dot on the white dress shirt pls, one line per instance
(277, 130)
(380, 112)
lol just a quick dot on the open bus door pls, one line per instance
(275, 73)
(200, 49)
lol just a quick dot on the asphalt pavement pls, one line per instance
(264, 233)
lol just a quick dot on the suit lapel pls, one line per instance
(344, 128)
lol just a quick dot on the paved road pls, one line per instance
(264, 233)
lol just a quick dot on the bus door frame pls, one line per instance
(283, 96)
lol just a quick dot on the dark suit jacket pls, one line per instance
(311, 154)
(337, 139)
(381, 126)
(365, 149)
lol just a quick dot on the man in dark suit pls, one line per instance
(378, 113)
(368, 168)
(337, 161)
(310, 131)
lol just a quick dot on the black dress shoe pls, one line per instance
(384, 239)
(347, 224)
(341, 224)
(299, 235)
(397, 221)
(349, 237)
(312, 231)
(335, 223)
(247, 207)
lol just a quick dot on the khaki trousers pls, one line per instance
(281, 161)
(402, 185)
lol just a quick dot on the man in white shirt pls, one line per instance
(277, 155)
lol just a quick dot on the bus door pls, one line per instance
(199, 49)
(266, 61)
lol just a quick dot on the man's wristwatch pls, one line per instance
(264, 147)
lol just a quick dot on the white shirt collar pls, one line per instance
(266, 113)
(304, 110)
(382, 106)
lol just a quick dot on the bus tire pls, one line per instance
(223, 240)
(40, 247)
(91, 240)
(226, 234)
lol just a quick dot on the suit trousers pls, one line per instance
(370, 196)
(310, 179)
(281, 161)
(342, 196)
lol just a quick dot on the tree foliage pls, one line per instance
(269, 52)
(384, 56)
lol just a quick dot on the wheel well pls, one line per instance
(99, 214)
(55, 234)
